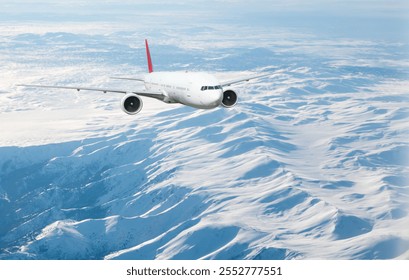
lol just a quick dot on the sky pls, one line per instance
(374, 19)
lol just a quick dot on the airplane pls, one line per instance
(195, 89)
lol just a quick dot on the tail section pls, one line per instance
(148, 55)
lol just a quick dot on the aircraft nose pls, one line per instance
(218, 97)
(212, 99)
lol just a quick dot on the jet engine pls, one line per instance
(131, 104)
(229, 98)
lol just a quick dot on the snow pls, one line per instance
(311, 164)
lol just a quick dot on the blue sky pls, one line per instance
(373, 19)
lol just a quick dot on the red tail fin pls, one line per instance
(148, 55)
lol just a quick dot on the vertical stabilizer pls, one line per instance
(148, 55)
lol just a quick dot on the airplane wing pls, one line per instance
(152, 94)
(245, 79)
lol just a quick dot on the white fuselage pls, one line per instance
(195, 89)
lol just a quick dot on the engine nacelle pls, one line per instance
(229, 98)
(131, 104)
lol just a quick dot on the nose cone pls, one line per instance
(215, 99)
(210, 99)
(219, 97)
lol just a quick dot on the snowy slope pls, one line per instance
(312, 162)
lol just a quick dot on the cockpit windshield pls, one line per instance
(210, 87)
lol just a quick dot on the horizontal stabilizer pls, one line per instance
(128, 79)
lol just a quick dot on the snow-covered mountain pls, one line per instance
(311, 163)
